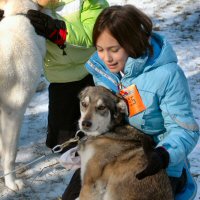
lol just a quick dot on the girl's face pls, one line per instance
(110, 51)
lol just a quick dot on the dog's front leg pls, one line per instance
(86, 193)
(11, 124)
(91, 192)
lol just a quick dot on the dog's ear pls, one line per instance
(122, 107)
(83, 92)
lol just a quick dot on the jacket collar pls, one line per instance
(134, 67)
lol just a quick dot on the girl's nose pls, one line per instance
(107, 57)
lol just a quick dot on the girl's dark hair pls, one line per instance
(129, 26)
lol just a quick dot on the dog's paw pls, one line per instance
(77, 198)
(14, 185)
(20, 184)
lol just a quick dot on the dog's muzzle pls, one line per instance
(86, 124)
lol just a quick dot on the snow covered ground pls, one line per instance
(46, 179)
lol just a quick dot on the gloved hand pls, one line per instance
(46, 26)
(157, 159)
(1, 14)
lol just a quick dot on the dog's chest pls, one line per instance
(86, 152)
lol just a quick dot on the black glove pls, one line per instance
(1, 14)
(52, 29)
(157, 159)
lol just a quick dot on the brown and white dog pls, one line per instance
(21, 61)
(114, 153)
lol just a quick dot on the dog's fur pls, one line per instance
(114, 152)
(21, 61)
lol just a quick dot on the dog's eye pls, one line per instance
(101, 107)
(83, 104)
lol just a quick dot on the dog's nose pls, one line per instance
(86, 124)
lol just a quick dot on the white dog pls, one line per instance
(21, 61)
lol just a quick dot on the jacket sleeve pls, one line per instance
(80, 29)
(182, 131)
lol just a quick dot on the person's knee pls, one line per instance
(73, 189)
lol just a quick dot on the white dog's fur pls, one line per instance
(21, 61)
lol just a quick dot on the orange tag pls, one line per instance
(133, 100)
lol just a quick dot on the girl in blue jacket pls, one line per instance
(131, 59)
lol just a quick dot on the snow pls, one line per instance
(179, 21)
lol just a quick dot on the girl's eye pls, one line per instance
(99, 49)
(114, 50)
(83, 104)
(101, 108)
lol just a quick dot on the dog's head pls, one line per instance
(100, 110)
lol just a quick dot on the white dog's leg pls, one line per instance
(1, 146)
(11, 124)
(0, 138)
(0, 149)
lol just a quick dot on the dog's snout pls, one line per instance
(86, 124)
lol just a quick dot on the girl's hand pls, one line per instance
(157, 159)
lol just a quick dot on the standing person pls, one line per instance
(68, 28)
(130, 58)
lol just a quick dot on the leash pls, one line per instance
(56, 149)
(60, 147)
(19, 168)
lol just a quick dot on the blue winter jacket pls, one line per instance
(164, 90)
